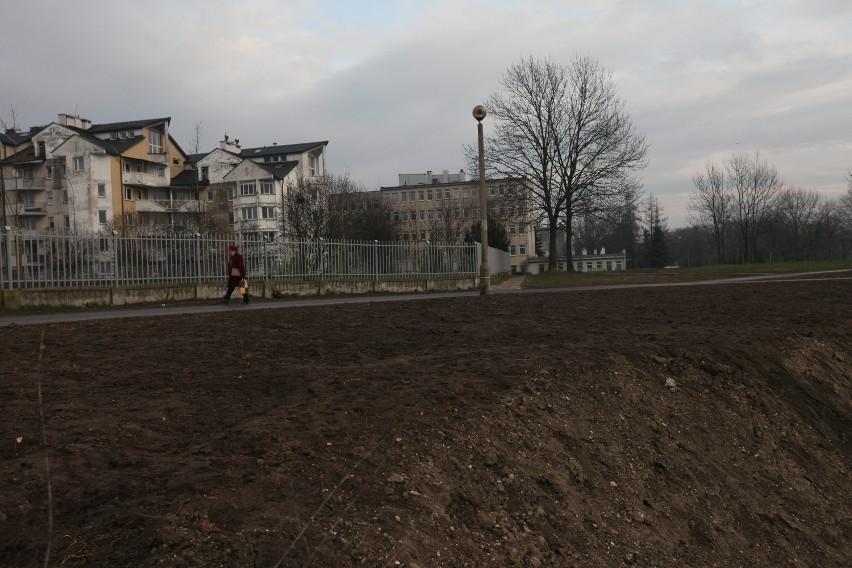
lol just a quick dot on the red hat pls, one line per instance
(232, 247)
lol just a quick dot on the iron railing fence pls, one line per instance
(30, 259)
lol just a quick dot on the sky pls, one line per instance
(391, 84)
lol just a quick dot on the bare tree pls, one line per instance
(317, 207)
(800, 209)
(710, 205)
(564, 130)
(845, 203)
(195, 142)
(755, 186)
(524, 142)
(598, 149)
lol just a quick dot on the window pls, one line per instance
(267, 212)
(249, 213)
(522, 250)
(422, 194)
(446, 194)
(103, 244)
(101, 190)
(422, 214)
(231, 193)
(491, 191)
(128, 194)
(161, 170)
(50, 198)
(464, 193)
(102, 216)
(65, 196)
(176, 163)
(411, 196)
(511, 229)
(127, 167)
(474, 192)
(429, 194)
(128, 219)
(209, 197)
(67, 222)
(48, 172)
(267, 187)
(431, 214)
(395, 198)
(26, 174)
(404, 197)
(246, 188)
(50, 224)
(312, 165)
(522, 228)
(205, 172)
(231, 218)
(512, 250)
(155, 142)
(77, 163)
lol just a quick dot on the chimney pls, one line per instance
(462, 175)
(230, 146)
(446, 177)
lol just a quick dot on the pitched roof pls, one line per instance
(282, 149)
(27, 155)
(187, 178)
(128, 125)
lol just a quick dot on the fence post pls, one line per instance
(197, 261)
(376, 252)
(115, 259)
(8, 246)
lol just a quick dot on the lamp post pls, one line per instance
(484, 269)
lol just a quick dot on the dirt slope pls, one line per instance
(683, 426)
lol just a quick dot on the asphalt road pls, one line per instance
(509, 286)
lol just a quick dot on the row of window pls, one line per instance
(250, 213)
(267, 187)
(449, 193)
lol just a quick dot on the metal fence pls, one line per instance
(47, 259)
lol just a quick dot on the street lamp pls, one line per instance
(484, 269)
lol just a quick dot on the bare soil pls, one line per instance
(703, 425)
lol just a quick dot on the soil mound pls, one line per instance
(701, 425)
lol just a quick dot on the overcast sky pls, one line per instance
(391, 84)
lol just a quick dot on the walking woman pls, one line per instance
(236, 273)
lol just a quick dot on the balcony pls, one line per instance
(32, 210)
(170, 206)
(150, 180)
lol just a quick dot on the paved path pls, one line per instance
(511, 285)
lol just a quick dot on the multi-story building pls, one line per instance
(245, 187)
(80, 176)
(441, 211)
(129, 176)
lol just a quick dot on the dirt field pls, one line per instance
(680, 426)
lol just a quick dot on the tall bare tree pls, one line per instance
(800, 210)
(317, 207)
(755, 186)
(564, 130)
(710, 205)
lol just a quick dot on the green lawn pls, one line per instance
(555, 278)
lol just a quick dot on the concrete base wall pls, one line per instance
(127, 295)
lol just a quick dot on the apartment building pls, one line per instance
(75, 175)
(244, 188)
(131, 176)
(441, 211)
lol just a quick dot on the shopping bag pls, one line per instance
(244, 287)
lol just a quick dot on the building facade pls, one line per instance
(244, 188)
(75, 175)
(442, 211)
(132, 176)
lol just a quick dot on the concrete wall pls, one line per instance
(128, 295)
